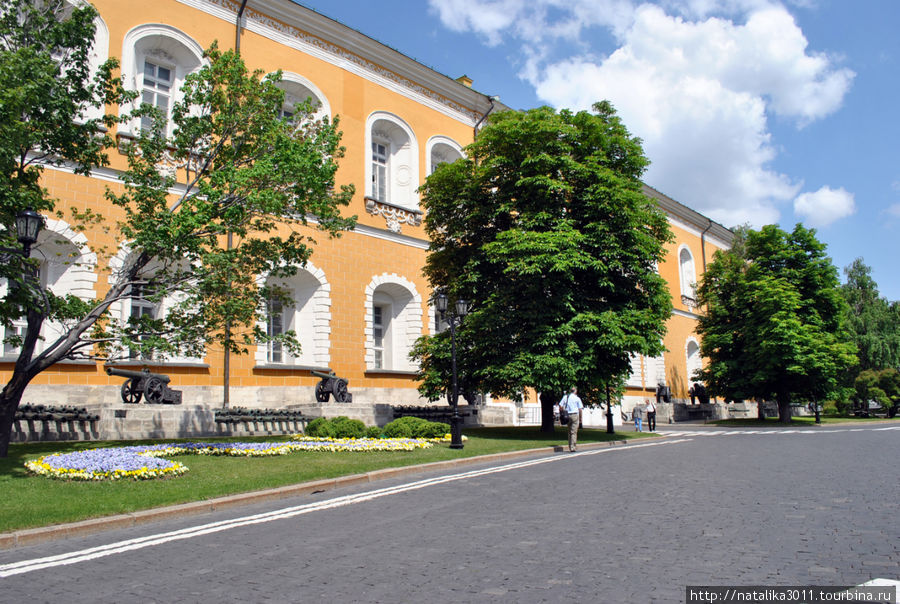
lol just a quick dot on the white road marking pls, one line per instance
(773, 431)
(25, 566)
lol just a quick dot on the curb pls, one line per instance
(56, 532)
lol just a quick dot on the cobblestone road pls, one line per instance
(633, 523)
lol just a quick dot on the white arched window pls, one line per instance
(67, 266)
(392, 168)
(694, 361)
(441, 150)
(687, 273)
(297, 90)
(393, 322)
(655, 368)
(142, 301)
(155, 60)
(99, 55)
(308, 315)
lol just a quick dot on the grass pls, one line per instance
(33, 501)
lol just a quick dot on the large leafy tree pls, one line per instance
(245, 183)
(774, 326)
(873, 322)
(544, 228)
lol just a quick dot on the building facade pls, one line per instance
(362, 301)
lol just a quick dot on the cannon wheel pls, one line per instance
(154, 389)
(341, 395)
(131, 393)
(322, 393)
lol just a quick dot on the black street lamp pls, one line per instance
(453, 319)
(28, 225)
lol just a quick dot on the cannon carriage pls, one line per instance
(331, 384)
(152, 387)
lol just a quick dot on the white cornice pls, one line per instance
(114, 176)
(312, 33)
(387, 235)
(685, 314)
(691, 220)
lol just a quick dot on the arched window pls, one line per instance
(694, 361)
(392, 169)
(155, 60)
(687, 273)
(297, 90)
(393, 322)
(99, 55)
(67, 266)
(441, 150)
(308, 315)
(142, 300)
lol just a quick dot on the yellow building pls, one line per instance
(362, 300)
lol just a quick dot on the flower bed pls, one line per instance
(144, 462)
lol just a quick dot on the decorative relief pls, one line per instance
(289, 30)
(689, 302)
(394, 216)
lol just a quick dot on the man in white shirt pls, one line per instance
(650, 408)
(572, 403)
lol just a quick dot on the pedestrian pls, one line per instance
(650, 407)
(638, 415)
(572, 403)
(693, 392)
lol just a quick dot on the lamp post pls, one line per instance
(453, 319)
(28, 225)
(609, 416)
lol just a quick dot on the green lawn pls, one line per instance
(31, 501)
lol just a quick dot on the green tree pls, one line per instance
(544, 228)
(873, 322)
(246, 180)
(882, 386)
(774, 322)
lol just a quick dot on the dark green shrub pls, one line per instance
(320, 427)
(344, 427)
(829, 408)
(373, 432)
(435, 430)
(404, 427)
(843, 407)
(415, 427)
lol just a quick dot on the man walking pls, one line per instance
(650, 407)
(572, 403)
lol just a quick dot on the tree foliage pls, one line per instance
(774, 326)
(239, 172)
(544, 228)
(873, 322)
(881, 386)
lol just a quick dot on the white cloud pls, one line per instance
(894, 210)
(696, 84)
(825, 206)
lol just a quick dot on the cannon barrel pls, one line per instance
(324, 376)
(143, 374)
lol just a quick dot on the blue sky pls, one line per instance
(751, 111)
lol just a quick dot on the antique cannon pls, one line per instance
(151, 386)
(331, 384)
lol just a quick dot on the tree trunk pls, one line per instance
(9, 402)
(784, 410)
(548, 401)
